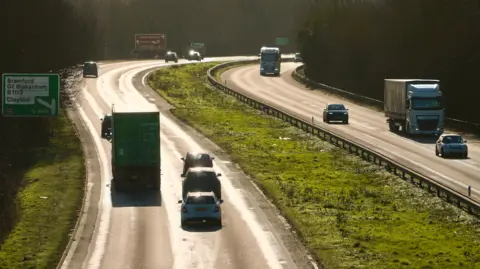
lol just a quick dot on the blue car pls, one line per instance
(450, 145)
(201, 206)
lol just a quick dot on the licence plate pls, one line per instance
(201, 209)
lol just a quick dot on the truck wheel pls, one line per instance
(219, 222)
(465, 156)
(436, 151)
(443, 153)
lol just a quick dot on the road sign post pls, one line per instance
(30, 95)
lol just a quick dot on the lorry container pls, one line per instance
(414, 106)
(135, 149)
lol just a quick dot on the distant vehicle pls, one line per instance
(135, 149)
(297, 58)
(414, 106)
(171, 56)
(451, 145)
(196, 159)
(203, 179)
(200, 48)
(270, 59)
(106, 131)
(201, 206)
(335, 112)
(194, 55)
(90, 69)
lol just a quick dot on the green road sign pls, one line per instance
(30, 95)
(281, 41)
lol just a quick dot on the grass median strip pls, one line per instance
(48, 203)
(350, 213)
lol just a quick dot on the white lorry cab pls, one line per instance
(270, 59)
(414, 106)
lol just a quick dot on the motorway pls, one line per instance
(144, 231)
(366, 126)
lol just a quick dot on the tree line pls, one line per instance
(355, 45)
(38, 36)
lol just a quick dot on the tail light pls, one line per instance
(184, 209)
(217, 208)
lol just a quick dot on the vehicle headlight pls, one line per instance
(330, 113)
(346, 113)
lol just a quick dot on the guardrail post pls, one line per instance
(469, 190)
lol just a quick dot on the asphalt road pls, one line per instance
(366, 126)
(121, 231)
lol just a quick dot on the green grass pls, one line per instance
(48, 203)
(350, 213)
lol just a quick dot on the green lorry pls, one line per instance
(135, 150)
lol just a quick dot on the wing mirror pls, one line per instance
(219, 175)
(464, 141)
(182, 175)
(183, 159)
(221, 201)
(213, 158)
(179, 201)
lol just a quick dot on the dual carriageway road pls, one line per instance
(144, 232)
(366, 126)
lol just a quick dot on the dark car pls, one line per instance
(196, 159)
(194, 55)
(202, 179)
(298, 58)
(90, 69)
(171, 56)
(335, 112)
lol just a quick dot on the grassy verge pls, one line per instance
(48, 202)
(349, 213)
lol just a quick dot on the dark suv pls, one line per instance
(196, 159)
(171, 56)
(202, 179)
(90, 69)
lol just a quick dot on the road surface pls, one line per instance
(144, 232)
(366, 126)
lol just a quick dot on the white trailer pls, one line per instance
(414, 106)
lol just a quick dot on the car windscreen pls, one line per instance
(336, 107)
(200, 200)
(452, 139)
(269, 57)
(89, 67)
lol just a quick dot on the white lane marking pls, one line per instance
(103, 222)
(93, 103)
(268, 249)
(255, 227)
(189, 249)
